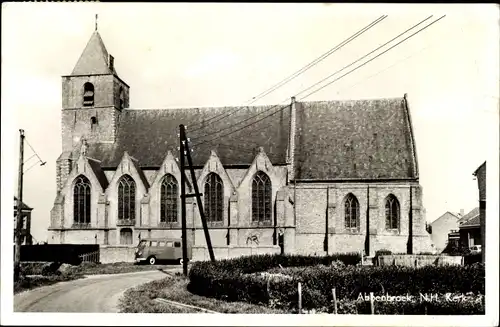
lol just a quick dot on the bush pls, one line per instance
(238, 280)
(461, 304)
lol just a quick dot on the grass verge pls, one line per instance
(88, 268)
(141, 299)
(26, 283)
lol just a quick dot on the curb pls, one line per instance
(182, 305)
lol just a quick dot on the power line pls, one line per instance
(40, 159)
(361, 58)
(240, 122)
(320, 58)
(373, 57)
(239, 129)
(389, 67)
(282, 108)
(300, 71)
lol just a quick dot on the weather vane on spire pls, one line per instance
(96, 22)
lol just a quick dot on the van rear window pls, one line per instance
(177, 244)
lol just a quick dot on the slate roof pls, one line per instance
(354, 139)
(334, 139)
(141, 173)
(473, 222)
(96, 167)
(470, 215)
(147, 135)
(94, 58)
(23, 205)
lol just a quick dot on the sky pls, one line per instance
(186, 55)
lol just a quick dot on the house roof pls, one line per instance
(334, 139)
(473, 222)
(354, 139)
(457, 216)
(470, 215)
(94, 58)
(23, 205)
(483, 165)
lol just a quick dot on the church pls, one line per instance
(309, 177)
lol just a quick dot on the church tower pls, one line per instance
(93, 97)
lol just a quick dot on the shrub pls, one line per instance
(236, 280)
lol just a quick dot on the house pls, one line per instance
(26, 237)
(469, 229)
(441, 227)
(480, 174)
(329, 176)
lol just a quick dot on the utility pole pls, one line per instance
(19, 220)
(183, 201)
(185, 151)
(198, 200)
(410, 227)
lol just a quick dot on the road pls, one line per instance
(98, 293)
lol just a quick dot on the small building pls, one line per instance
(469, 229)
(441, 227)
(26, 237)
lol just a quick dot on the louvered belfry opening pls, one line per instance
(88, 94)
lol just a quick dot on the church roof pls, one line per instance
(96, 168)
(147, 135)
(334, 139)
(354, 139)
(94, 58)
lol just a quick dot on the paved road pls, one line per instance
(98, 293)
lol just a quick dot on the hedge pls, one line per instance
(239, 280)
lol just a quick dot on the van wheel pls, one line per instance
(151, 260)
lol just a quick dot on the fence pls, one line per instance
(90, 257)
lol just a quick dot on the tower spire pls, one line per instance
(96, 22)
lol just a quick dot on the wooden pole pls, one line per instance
(198, 196)
(183, 201)
(334, 301)
(19, 221)
(300, 298)
(372, 304)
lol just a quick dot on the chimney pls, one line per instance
(111, 62)
(461, 212)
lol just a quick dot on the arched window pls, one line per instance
(88, 95)
(169, 195)
(126, 198)
(391, 212)
(214, 197)
(126, 236)
(351, 207)
(81, 200)
(261, 198)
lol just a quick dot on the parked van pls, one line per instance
(150, 250)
